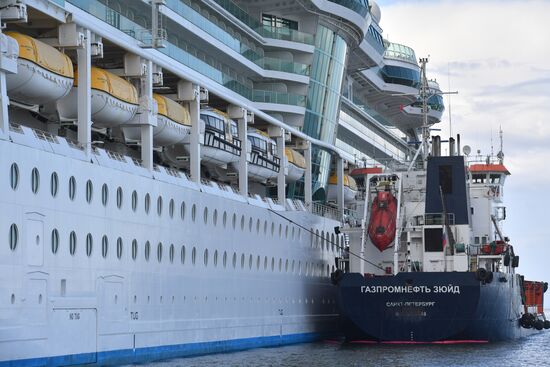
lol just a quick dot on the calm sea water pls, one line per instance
(531, 351)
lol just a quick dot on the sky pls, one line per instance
(496, 54)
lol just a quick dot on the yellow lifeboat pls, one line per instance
(350, 188)
(173, 123)
(295, 165)
(114, 100)
(43, 73)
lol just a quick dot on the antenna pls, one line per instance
(449, 88)
(500, 153)
(492, 141)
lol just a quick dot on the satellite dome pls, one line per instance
(375, 11)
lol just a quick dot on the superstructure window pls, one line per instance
(433, 239)
(72, 188)
(104, 194)
(119, 248)
(274, 21)
(147, 250)
(14, 236)
(119, 197)
(89, 244)
(89, 191)
(35, 180)
(134, 249)
(14, 176)
(134, 200)
(54, 184)
(72, 243)
(55, 241)
(104, 246)
(446, 178)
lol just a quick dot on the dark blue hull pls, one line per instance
(431, 307)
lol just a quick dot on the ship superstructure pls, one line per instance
(175, 169)
(428, 261)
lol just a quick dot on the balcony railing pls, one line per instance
(214, 141)
(261, 160)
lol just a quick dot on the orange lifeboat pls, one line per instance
(382, 223)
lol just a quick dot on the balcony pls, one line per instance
(399, 52)
(265, 31)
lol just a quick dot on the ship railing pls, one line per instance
(263, 161)
(214, 141)
(325, 211)
(438, 219)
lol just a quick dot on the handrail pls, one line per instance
(214, 141)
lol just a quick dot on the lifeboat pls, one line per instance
(382, 223)
(173, 123)
(263, 164)
(220, 145)
(43, 73)
(350, 188)
(114, 100)
(295, 164)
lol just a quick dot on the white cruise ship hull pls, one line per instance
(249, 277)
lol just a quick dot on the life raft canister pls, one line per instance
(382, 223)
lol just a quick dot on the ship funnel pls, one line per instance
(436, 146)
(451, 146)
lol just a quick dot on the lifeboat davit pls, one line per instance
(114, 99)
(263, 164)
(382, 223)
(173, 123)
(350, 188)
(44, 74)
(295, 164)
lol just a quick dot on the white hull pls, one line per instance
(272, 287)
(349, 194)
(167, 132)
(107, 111)
(34, 85)
(294, 173)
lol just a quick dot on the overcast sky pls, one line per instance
(497, 55)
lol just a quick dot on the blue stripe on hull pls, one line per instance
(164, 352)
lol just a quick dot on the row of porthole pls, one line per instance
(322, 239)
(310, 268)
(54, 188)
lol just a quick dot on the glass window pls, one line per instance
(13, 236)
(72, 188)
(159, 206)
(119, 248)
(171, 253)
(159, 252)
(147, 250)
(14, 176)
(35, 180)
(72, 243)
(171, 208)
(89, 244)
(55, 241)
(89, 191)
(104, 246)
(54, 184)
(147, 203)
(134, 200)
(182, 254)
(104, 194)
(134, 249)
(119, 197)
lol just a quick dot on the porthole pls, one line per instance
(280, 230)
(35, 180)
(72, 243)
(182, 254)
(134, 200)
(224, 219)
(286, 231)
(159, 206)
(286, 266)
(14, 176)
(104, 194)
(250, 223)
(225, 259)
(72, 188)
(193, 255)
(134, 249)
(171, 253)
(119, 197)
(205, 215)
(89, 244)
(280, 264)
(147, 203)
(159, 252)
(147, 250)
(54, 184)
(13, 236)
(265, 227)
(272, 264)
(119, 248)
(89, 191)
(234, 220)
(242, 222)
(250, 261)
(299, 268)
(104, 246)
(216, 258)
(193, 212)
(272, 229)
(265, 263)
(293, 232)
(182, 210)
(215, 217)
(292, 268)
(234, 260)
(242, 261)
(258, 263)
(206, 257)
(55, 241)
(171, 208)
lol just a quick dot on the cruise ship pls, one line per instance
(174, 170)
